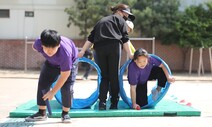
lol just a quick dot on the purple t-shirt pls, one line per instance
(65, 55)
(138, 75)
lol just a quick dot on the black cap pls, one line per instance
(131, 16)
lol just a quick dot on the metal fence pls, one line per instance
(32, 59)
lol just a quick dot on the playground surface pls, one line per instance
(18, 87)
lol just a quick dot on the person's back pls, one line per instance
(107, 31)
(108, 36)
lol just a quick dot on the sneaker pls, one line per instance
(102, 106)
(84, 78)
(155, 94)
(36, 117)
(66, 118)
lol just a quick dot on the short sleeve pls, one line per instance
(132, 74)
(37, 45)
(66, 64)
(155, 61)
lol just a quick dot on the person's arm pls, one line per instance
(127, 49)
(170, 78)
(86, 46)
(33, 47)
(60, 82)
(132, 47)
(133, 96)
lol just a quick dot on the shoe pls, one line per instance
(102, 106)
(113, 106)
(84, 78)
(36, 117)
(66, 118)
(155, 94)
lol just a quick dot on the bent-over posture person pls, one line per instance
(142, 69)
(60, 54)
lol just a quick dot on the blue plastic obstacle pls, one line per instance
(87, 102)
(79, 103)
(151, 102)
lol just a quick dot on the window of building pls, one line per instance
(29, 13)
(4, 13)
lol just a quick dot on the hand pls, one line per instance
(80, 54)
(131, 57)
(49, 95)
(171, 79)
(136, 107)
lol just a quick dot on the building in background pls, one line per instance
(21, 18)
(28, 18)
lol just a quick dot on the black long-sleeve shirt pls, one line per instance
(110, 29)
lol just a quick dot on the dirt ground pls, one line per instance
(18, 87)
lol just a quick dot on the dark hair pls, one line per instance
(50, 38)
(124, 8)
(119, 7)
(140, 52)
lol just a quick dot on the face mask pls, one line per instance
(125, 18)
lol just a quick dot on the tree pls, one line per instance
(195, 26)
(85, 13)
(207, 18)
(156, 18)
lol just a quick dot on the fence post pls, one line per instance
(201, 68)
(210, 57)
(25, 55)
(191, 60)
(153, 45)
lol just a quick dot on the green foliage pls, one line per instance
(85, 13)
(156, 18)
(195, 26)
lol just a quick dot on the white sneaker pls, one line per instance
(84, 78)
(155, 94)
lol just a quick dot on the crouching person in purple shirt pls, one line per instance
(141, 69)
(60, 54)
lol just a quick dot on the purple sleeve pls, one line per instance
(132, 74)
(37, 45)
(155, 61)
(66, 64)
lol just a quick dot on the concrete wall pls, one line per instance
(48, 14)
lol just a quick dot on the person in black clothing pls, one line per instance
(88, 68)
(108, 37)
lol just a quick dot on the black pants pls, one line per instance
(88, 69)
(49, 74)
(141, 89)
(108, 59)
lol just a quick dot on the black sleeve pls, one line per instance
(92, 34)
(123, 29)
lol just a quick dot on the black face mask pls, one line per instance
(125, 18)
